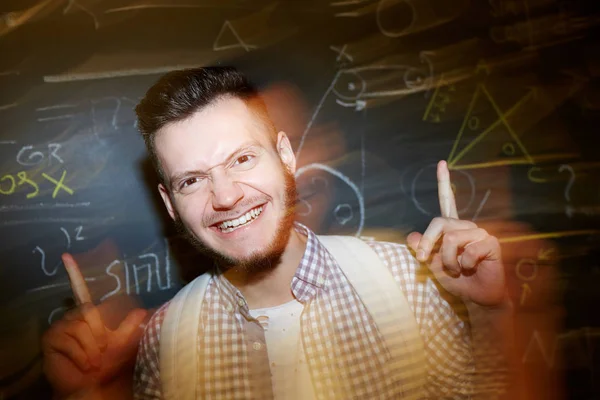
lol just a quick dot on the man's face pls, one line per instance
(230, 187)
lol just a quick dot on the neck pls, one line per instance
(271, 288)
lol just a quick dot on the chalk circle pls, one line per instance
(434, 199)
(527, 262)
(56, 314)
(13, 185)
(308, 207)
(349, 85)
(341, 211)
(395, 18)
(473, 123)
(508, 149)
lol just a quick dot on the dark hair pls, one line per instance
(177, 95)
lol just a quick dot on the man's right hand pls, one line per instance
(80, 351)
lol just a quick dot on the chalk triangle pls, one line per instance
(485, 137)
(229, 39)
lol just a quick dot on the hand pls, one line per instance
(80, 352)
(468, 262)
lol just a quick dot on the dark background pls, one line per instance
(507, 91)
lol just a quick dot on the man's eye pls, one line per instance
(188, 182)
(243, 159)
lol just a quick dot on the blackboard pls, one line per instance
(372, 94)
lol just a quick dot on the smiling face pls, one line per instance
(229, 185)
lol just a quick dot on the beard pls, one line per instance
(258, 262)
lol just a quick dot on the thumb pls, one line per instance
(413, 240)
(132, 325)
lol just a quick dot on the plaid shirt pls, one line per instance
(346, 354)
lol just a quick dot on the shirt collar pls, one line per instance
(314, 268)
(311, 275)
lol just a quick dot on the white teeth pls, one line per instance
(228, 226)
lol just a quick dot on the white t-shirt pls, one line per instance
(289, 370)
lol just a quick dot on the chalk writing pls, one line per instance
(59, 185)
(315, 113)
(402, 7)
(52, 271)
(42, 206)
(531, 175)
(117, 111)
(527, 270)
(27, 156)
(8, 106)
(483, 201)
(12, 187)
(461, 177)
(564, 167)
(343, 213)
(43, 262)
(339, 212)
(524, 293)
(341, 55)
(437, 105)
(143, 270)
(358, 105)
(417, 15)
(362, 10)
(25, 181)
(52, 108)
(579, 344)
(55, 313)
(531, 269)
(58, 312)
(151, 6)
(53, 220)
(112, 107)
(228, 28)
(78, 236)
(472, 123)
(75, 4)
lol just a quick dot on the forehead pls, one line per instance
(210, 135)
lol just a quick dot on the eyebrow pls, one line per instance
(179, 177)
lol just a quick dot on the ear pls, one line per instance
(164, 193)
(284, 148)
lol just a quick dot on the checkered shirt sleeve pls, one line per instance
(146, 376)
(450, 364)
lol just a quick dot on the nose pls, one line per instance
(226, 193)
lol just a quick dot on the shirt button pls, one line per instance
(241, 302)
(229, 308)
(257, 346)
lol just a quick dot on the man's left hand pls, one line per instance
(464, 258)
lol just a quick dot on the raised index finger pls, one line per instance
(78, 285)
(447, 202)
(87, 310)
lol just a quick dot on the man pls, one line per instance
(279, 318)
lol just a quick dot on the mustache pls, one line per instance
(240, 208)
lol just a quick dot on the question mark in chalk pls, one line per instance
(563, 167)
